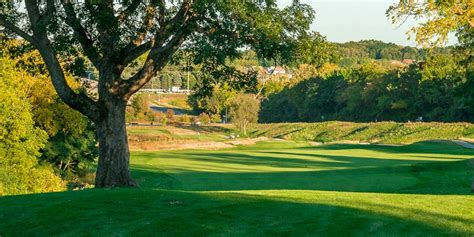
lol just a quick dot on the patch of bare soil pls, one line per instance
(180, 131)
(153, 143)
(176, 145)
(246, 141)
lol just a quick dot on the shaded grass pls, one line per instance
(270, 189)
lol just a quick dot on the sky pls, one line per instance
(354, 20)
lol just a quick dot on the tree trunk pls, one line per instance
(114, 156)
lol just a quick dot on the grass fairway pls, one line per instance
(273, 189)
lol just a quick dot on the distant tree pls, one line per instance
(393, 53)
(164, 120)
(151, 117)
(222, 82)
(315, 50)
(216, 118)
(243, 110)
(139, 105)
(218, 101)
(177, 79)
(165, 81)
(409, 53)
(361, 52)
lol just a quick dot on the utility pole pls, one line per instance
(225, 120)
(188, 80)
(188, 71)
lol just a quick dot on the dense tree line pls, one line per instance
(351, 53)
(438, 89)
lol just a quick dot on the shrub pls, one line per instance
(23, 179)
(153, 117)
(185, 119)
(170, 114)
(216, 118)
(204, 118)
(164, 120)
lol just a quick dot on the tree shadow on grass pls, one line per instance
(139, 212)
(427, 178)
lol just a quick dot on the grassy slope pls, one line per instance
(277, 189)
(381, 132)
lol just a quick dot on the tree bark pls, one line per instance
(114, 156)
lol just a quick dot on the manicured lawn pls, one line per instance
(273, 189)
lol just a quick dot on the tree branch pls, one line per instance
(160, 52)
(49, 12)
(156, 60)
(162, 12)
(147, 24)
(79, 32)
(137, 52)
(77, 101)
(12, 27)
(103, 15)
(128, 11)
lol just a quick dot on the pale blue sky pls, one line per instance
(354, 20)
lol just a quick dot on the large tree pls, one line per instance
(113, 34)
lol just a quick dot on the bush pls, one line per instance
(185, 119)
(216, 118)
(21, 179)
(170, 114)
(70, 153)
(164, 120)
(204, 118)
(152, 116)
